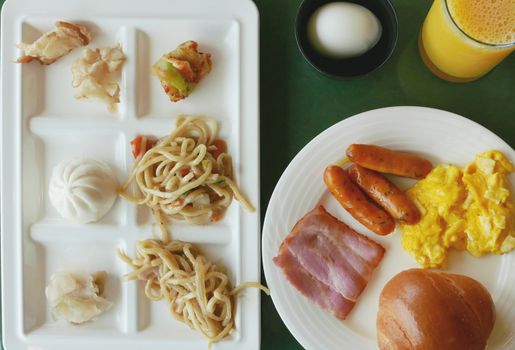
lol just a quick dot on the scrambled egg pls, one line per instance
(469, 209)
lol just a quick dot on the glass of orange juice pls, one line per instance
(462, 40)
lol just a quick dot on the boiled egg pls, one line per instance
(343, 30)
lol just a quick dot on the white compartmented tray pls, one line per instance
(42, 124)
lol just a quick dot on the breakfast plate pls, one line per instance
(43, 124)
(439, 136)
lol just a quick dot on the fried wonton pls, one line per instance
(182, 69)
(56, 43)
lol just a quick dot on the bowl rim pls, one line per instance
(347, 77)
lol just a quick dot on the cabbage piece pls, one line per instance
(77, 299)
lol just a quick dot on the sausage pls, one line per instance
(385, 193)
(387, 161)
(356, 202)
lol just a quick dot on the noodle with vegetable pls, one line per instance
(197, 292)
(186, 175)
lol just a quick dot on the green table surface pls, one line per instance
(297, 103)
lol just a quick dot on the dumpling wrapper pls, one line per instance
(96, 75)
(77, 299)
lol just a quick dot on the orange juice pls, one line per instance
(461, 40)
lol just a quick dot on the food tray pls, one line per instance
(42, 124)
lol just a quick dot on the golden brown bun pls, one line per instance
(430, 310)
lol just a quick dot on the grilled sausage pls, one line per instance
(387, 161)
(356, 202)
(385, 193)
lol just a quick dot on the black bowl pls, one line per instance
(354, 67)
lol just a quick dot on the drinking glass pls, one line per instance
(452, 40)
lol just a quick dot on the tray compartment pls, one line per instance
(47, 90)
(160, 127)
(54, 144)
(155, 320)
(217, 92)
(44, 257)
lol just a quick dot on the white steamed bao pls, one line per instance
(82, 189)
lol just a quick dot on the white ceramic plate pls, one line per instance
(42, 124)
(440, 136)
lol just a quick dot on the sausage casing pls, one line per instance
(385, 160)
(385, 193)
(352, 199)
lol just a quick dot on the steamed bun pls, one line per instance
(82, 189)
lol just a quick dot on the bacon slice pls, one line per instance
(326, 261)
(310, 287)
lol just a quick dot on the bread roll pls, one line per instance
(430, 310)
